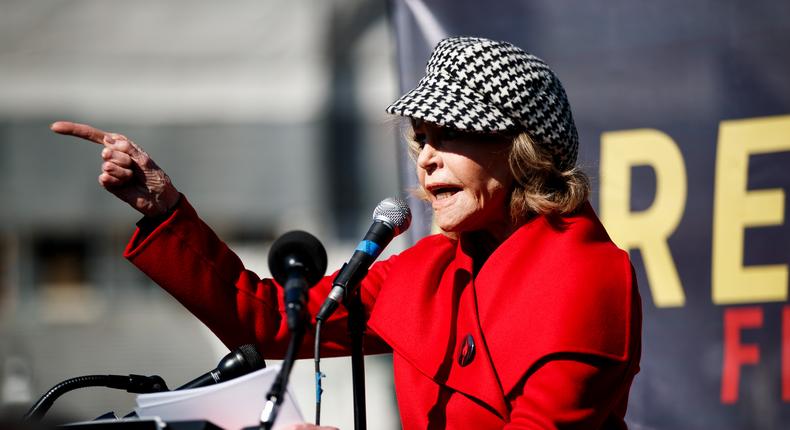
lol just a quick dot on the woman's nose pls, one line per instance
(429, 158)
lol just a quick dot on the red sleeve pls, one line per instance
(573, 394)
(186, 258)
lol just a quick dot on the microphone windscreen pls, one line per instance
(252, 356)
(297, 247)
(394, 212)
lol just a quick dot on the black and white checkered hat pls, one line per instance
(477, 84)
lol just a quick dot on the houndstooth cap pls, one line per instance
(476, 84)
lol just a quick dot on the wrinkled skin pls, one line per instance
(466, 178)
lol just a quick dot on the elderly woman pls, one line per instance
(521, 314)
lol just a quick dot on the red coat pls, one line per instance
(554, 314)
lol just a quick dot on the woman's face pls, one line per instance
(466, 178)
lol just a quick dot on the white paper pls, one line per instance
(232, 404)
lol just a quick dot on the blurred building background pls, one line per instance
(268, 115)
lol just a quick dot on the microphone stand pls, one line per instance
(356, 330)
(278, 390)
(297, 261)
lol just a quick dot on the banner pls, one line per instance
(683, 111)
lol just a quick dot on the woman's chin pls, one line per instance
(445, 227)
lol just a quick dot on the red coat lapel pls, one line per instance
(555, 289)
(426, 308)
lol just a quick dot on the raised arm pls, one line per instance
(183, 255)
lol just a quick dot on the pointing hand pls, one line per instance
(127, 171)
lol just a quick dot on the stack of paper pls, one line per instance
(231, 405)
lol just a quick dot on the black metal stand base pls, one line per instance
(141, 424)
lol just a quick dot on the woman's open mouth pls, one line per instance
(443, 192)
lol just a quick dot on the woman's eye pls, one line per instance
(450, 134)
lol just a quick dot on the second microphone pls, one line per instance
(390, 218)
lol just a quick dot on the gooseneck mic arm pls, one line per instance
(240, 361)
(131, 383)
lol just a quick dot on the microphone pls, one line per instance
(240, 361)
(297, 261)
(390, 218)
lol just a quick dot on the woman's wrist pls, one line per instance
(148, 223)
(169, 199)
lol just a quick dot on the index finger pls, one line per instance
(83, 131)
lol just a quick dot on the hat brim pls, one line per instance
(439, 100)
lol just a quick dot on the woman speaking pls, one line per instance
(521, 314)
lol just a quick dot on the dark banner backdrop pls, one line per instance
(683, 110)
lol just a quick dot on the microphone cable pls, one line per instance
(318, 374)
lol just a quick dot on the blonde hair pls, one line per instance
(540, 188)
